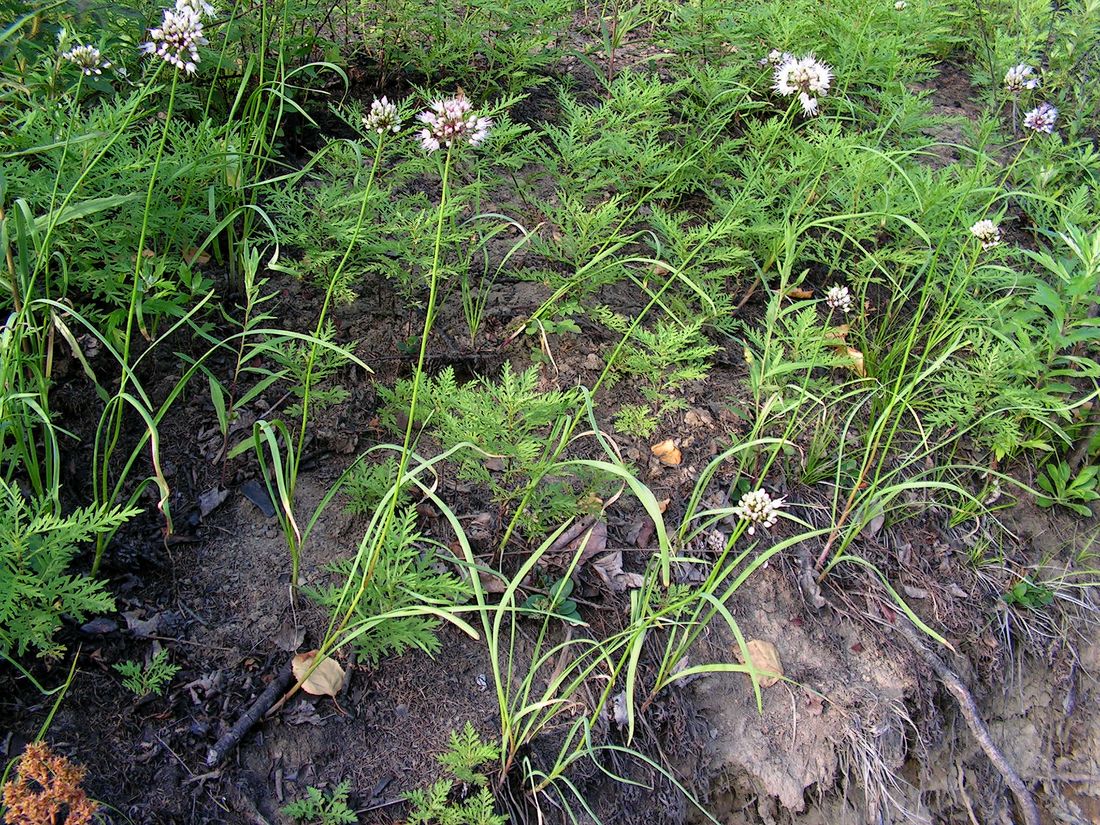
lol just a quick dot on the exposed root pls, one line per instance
(873, 750)
(969, 709)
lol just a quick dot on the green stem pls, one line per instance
(406, 449)
(115, 417)
(307, 385)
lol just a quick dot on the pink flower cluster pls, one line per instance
(452, 121)
(1042, 118)
(177, 39)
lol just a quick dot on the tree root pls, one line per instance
(250, 717)
(969, 709)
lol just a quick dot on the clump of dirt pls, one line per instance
(843, 712)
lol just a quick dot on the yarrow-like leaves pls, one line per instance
(382, 117)
(987, 232)
(450, 122)
(759, 509)
(1042, 118)
(177, 39)
(807, 77)
(88, 58)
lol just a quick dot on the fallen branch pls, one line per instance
(253, 715)
(969, 709)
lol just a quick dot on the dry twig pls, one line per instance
(250, 717)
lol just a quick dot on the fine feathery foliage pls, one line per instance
(518, 431)
(438, 805)
(153, 677)
(465, 753)
(665, 358)
(407, 573)
(47, 788)
(36, 588)
(319, 808)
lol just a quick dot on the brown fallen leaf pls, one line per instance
(289, 636)
(857, 362)
(698, 418)
(815, 703)
(326, 680)
(570, 541)
(191, 255)
(609, 567)
(304, 713)
(491, 582)
(640, 531)
(667, 453)
(764, 659)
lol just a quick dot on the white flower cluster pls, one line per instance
(88, 58)
(775, 58)
(901, 5)
(1042, 118)
(759, 509)
(805, 76)
(987, 232)
(200, 7)
(1019, 78)
(452, 121)
(838, 297)
(178, 37)
(382, 117)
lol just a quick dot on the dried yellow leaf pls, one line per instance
(667, 452)
(857, 362)
(764, 659)
(327, 678)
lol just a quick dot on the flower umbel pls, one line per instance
(88, 58)
(1041, 118)
(775, 57)
(1019, 78)
(200, 7)
(759, 509)
(382, 117)
(452, 121)
(177, 39)
(838, 297)
(901, 5)
(987, 232)
(807, 77)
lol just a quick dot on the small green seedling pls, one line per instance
(1063, 488)
(635, 419)
(153, 678)
(1029, 595)
(436, 804)
(556, 602)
